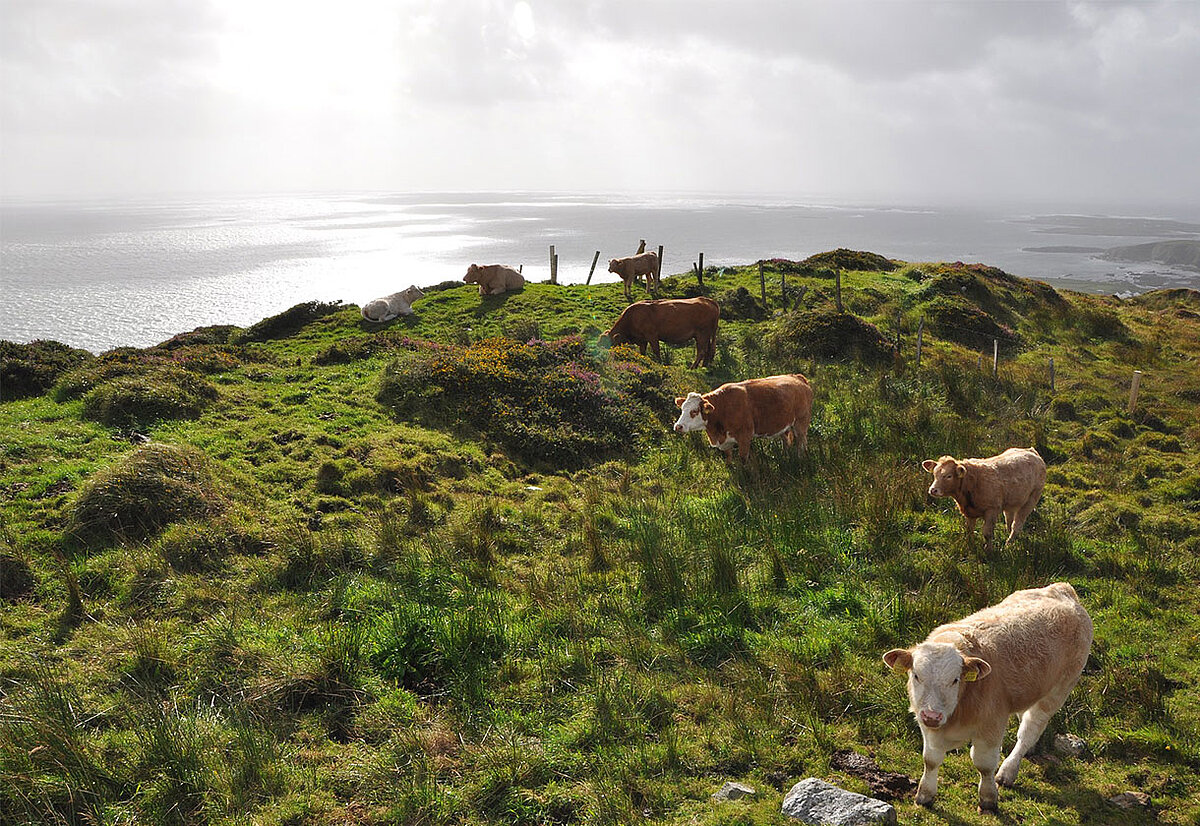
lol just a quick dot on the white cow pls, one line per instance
(391, 306)
(1020, 656)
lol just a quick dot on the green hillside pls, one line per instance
(457, 569)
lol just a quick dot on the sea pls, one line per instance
(134, 272)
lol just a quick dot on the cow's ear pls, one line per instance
(929, 465)
(898, 659)
(960, 470)
(975, 669)
(679, 400)
(707, 407)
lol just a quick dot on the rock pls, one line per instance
(1070, 745)
(733, 791)
(823, 804)
(1130, 800)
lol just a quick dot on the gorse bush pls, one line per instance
(32, 369)
(544, 401)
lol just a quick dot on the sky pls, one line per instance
(901, 100)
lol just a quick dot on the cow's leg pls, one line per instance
(932, 755)
(1033, 723)
(628, 295)
(1023, 512)
(989, 528)
(970, 529)
(699, 353)
(657, 350)
(642, 347)
(985, 754)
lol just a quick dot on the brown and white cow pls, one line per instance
(630, 268)
(1011, 482)
(1020, 656)
(494, 279)
(734, 413)
(673, 320)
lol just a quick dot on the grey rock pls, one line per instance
(733, 791)
(1070, 745)
(819, 803)
(1130, 800)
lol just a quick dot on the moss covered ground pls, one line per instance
(456, 569)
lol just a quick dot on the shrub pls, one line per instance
(1100, 323)
(740, 304)
(16, 577)
(844, 259)
(287, 323)
(150, 488)
(164, 392)
(956, 319)
(825, 333)
(545, 402)
(32, 369)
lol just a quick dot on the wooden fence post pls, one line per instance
(700, 271)
(595, 258)
(762, 283)
(837, 276)
(1133, 390)
(920, 336)
(553, 266)
(1052, 374)
(658, 269)
(641, 247)
(995, 357)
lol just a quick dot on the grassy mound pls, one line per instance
(150, 488)
(32, 369)
(166, 392)
(544, 402)
(956, 319)
(844, 259)
(825, 333)
(287, 323)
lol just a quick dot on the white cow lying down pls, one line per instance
(388, 307)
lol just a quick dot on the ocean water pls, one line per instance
(99, 275)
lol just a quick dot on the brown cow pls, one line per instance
(494, 279)
(631, 267)
(673, 320)
(1021, 656)
(1011, 482)
(735, 413)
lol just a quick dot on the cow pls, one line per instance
(630, 268)
(1020, 656)
(494, 279)
(388, 307)
(673, 320)
(736, 412)
(1011, 482)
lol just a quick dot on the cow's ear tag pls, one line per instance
(971, 676)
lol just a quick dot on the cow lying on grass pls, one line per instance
(630, 268)
(1021, 656)
(391, 306)
(735, 413)
(1011, 482)
(494, 279)
(673, 320)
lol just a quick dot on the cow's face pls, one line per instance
(617, 337)
(412, 294)
(937, 677)
(612, 266)
(472, 276)
(947, 475)
(692, 411)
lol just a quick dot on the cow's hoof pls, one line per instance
(992, 808)
(923, 800)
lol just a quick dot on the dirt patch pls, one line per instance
(883, 784)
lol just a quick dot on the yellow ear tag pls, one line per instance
(971, 676)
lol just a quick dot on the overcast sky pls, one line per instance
(896, 100)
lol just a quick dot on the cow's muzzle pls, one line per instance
(933, 719)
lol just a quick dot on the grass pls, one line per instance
(346, 586)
